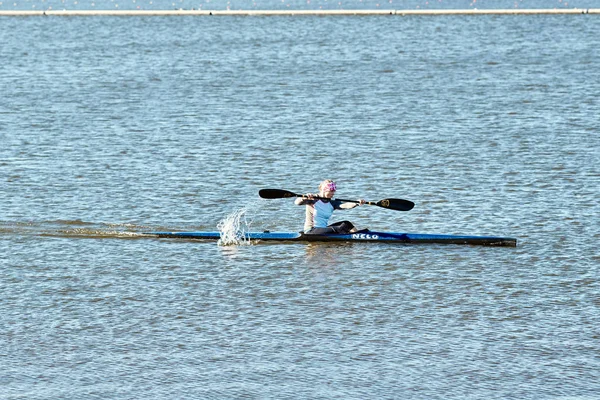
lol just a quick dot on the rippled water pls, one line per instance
(290, 4)
(110, 127)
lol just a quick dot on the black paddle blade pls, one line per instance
(396, 204)
(276, 194)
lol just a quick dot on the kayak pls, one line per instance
(359, 236)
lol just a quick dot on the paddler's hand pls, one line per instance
(359, 202)
(301, 200)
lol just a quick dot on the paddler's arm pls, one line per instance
(300, 201)
(347, 206)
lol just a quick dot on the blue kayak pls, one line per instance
(360, 236)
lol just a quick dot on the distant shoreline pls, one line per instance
(73, 13)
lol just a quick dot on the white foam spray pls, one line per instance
(233, 228)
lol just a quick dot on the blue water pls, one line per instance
(291, 4)
(110, 127)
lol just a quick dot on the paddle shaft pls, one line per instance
(393, 204)
(372, 203)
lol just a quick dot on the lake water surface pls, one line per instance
(110, 127)
(292, 4)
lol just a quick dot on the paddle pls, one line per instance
(392, 204)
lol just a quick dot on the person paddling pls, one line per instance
(319, 210)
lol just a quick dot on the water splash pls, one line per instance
(233, 228)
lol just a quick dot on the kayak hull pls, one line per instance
(360, 236)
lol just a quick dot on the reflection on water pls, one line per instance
(327, 255)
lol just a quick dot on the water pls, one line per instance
(110, 127)
(290, 4)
